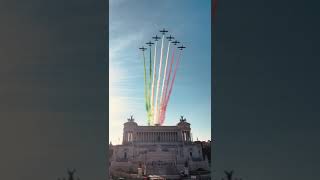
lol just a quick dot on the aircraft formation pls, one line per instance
(163, 69)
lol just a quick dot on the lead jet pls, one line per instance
(149, 43)
(181, 47)
(163, 31)
(170, 38)
(175, 42)
(142, 48)
(156, 38)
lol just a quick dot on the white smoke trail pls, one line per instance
(163, 80)
(153, 79)
(158, 83)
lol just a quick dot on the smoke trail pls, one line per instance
(145, 84)
(154, 77)
(170, 71)
(149, 89)
(163, 81)
(164, 108)
(158, 84)
(166, 86)
(173, 78)
(150, 74)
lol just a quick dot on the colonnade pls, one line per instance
(156, 137)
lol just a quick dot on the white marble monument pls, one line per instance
(159, 150)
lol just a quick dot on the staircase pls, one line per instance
(161, 170)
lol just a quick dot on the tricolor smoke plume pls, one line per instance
(157, 95)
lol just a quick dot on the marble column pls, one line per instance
(141, 136)
(165, 136)
(152, 136)
(162, 137)
(175, 136)
(138, 136)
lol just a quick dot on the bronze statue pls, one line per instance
(182, 119)
(131, 119)
(229, 174)
(71, 174)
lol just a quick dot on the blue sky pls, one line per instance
(131, 25)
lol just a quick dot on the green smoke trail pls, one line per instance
(149, 89)
(145, 86)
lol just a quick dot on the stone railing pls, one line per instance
(121, 160)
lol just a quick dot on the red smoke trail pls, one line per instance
(174, 77)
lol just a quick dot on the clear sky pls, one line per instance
(131, 25)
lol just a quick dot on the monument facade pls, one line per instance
(157, 150)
